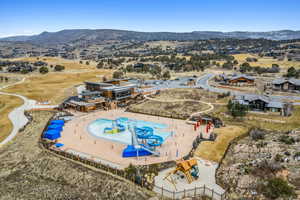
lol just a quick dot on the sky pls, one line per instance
(27, 17)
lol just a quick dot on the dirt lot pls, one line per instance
(185, 93)
(29, 172)
(179, 110)
(7, 104)
(214, 151)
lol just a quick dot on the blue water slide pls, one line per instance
(155, 140)
(144, 132)
(131, 151)
(121, 127)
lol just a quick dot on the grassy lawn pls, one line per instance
(214, 151)
(7, 104)
(266, 61)
(54, 87)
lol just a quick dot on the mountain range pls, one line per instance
(100, 35)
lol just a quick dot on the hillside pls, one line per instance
(100, 35)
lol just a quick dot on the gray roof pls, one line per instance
(245, 99)
(283, 80)
(274, 104)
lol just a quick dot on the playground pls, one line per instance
(119, 138)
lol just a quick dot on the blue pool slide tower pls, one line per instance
(136, 149)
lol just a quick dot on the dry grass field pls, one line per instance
(180, 110)
(214, 151)
(70, 65)
(266, 61)
(291, 122)
(7, 104)
(54, 87)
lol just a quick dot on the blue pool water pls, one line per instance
(96, 128)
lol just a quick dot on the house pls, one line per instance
(240, 79)
(289, 85)
(264, 103)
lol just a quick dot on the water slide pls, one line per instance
(137, 149)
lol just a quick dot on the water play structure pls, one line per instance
(115, 128)
(143, 142)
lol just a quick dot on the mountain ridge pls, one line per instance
(98, 35)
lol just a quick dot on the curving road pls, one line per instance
(17, 116)
(203, 83)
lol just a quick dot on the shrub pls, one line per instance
(59, 68)
(118, 74)
(44, 70)
(257, 134)
(277, 187)
(286, 139)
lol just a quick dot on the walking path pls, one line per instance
(17, 116)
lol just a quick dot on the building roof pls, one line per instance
(274, 104)
(283, 80)
(241, 76)
(246, 99)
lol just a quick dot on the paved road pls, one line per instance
(17, 116)
(203, 83)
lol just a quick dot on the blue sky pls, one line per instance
(26, 17)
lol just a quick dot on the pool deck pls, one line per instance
(75, 137)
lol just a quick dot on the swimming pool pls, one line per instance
(96, 128)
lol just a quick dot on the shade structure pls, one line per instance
(52, 134)
(58, 127)
(57, 122)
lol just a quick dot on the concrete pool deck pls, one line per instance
(76, 137)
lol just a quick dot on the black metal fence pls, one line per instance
(191, 193)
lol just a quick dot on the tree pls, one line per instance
(277, 187)
(59, 68)
(100, 65)
(292, 72)
(44, 70)
(87, 63)
(166, 75)
(80, 62)
(237, 109)
(118, 74)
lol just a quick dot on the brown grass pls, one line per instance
(53, 87)
(70, 65)
(7, 104)
(214, 151)
(266, 61)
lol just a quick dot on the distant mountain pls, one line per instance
(98, 35)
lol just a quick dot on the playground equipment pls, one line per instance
(116, 128)
(188, 167)
(146, 148)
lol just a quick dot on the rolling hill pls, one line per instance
(99, 35)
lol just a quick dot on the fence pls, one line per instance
(191, 193)
(196, 192)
